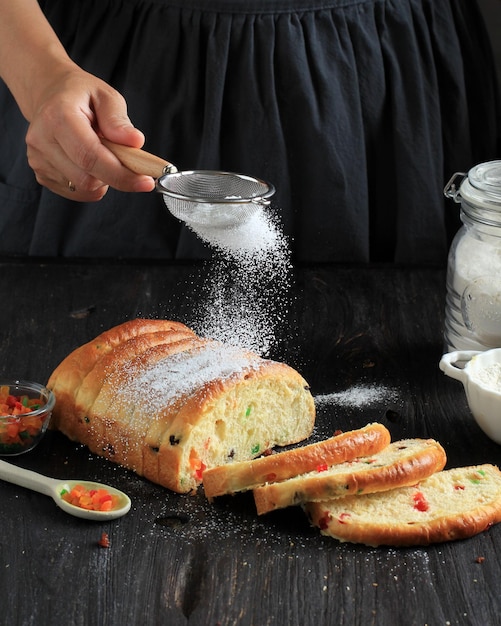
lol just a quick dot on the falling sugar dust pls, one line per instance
(245, 297)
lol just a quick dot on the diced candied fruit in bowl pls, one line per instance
(25, 412)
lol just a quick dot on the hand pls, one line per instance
(63, 145)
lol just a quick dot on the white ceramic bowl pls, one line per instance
(480, 373)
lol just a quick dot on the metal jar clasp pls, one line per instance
(451, 190)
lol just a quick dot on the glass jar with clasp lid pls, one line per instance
(473, 301)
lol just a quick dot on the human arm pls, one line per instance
(67, 109)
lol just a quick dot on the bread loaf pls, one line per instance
(401, 463)
(154, 397)
(245, 475)
(453, 504)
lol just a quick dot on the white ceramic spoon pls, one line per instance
(53, 487)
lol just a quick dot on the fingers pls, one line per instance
(63, 145)
(83, 171)
(56, 171)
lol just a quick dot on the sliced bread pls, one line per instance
(452, 504)
(401, 463)
(245, 475)
(169, 404)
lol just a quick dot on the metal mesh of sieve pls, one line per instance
(213, 198)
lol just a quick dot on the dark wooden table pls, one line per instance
(177, 559)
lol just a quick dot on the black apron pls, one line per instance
(357, 111)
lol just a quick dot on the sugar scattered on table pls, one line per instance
(357, 396)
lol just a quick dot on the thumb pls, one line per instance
(114, 123)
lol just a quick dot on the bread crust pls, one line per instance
(85, 414)
(401, 463)
(246, 475)
(66, 379)
(459, 507)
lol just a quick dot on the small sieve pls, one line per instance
(203, 199)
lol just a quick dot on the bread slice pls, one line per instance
(452, 504)
(401, 463)
(154, 397)
(245, 475)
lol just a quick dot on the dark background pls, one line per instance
(491, 10)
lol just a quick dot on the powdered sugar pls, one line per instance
(181, 374)
(252, 236)
(246, 294)
(357, 396)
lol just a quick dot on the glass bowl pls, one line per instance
(25, 411)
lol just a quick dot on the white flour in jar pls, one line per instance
(474, 298)
(473, 260)
(246, 294)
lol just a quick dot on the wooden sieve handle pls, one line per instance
(140, 161)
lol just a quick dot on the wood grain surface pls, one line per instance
(176, 559)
